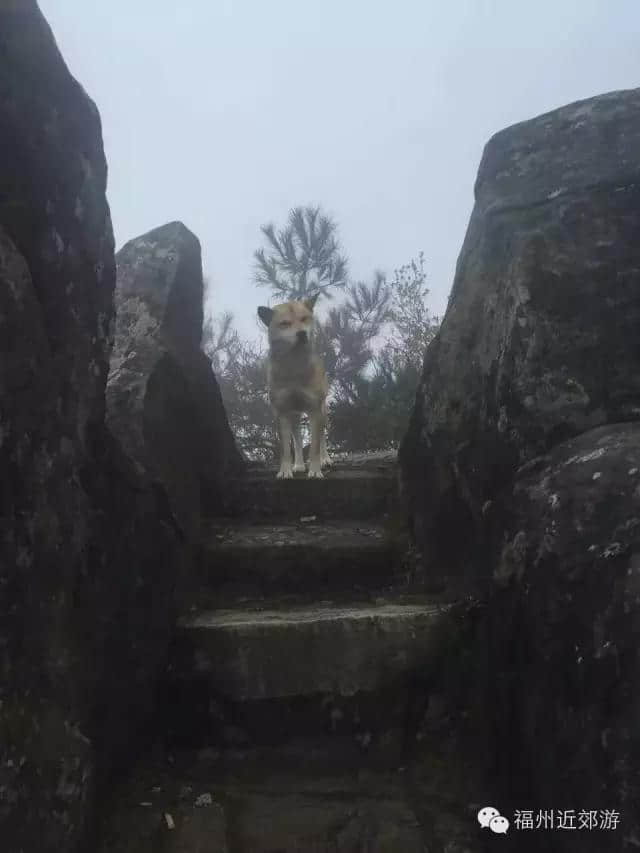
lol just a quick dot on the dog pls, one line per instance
(297, 383)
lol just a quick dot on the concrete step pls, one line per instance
(356, 493)
(303, 561)
(253, 654)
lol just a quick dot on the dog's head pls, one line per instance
(290, 325)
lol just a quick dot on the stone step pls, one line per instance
(303, 561)
(355, 493)
(191, 806)
(349, 682)
(350, 676)
(199, 801)
(254, 654)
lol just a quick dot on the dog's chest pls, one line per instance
(294, 387)
(293, 397)
(294, 400)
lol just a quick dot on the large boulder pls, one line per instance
(540, 339)
(564, 623)
(163, 400)
(521, 466)
(87, 547)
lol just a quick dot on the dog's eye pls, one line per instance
(284, 323)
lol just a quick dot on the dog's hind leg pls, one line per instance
(284, 428)
(298, 458)
(318, 420)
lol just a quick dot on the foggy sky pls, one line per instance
(227, 113)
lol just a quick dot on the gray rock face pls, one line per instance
(540, 340)
(163, 401)
(57, 273)
(522, 458)
(87, 555)
(564, 624)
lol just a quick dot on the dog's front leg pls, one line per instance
(298, 458)
(318, 422)
(284, 428)
(325, 459)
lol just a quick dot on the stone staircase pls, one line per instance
(296, 686)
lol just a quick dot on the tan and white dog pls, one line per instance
(297, 384)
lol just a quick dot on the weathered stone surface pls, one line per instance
(274, 698)
(269, 812)
(540, 339)
(347, 649)
(56, 271)
(163, 401)
(521, 464)
(170, 826)
(349, 492)
(304, 562)
(287, 824)
(564, 629)
(85, 584)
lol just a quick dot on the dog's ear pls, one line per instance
(311, 301)
(265, 314)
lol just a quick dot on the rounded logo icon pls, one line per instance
(486, 815)
(499, 825)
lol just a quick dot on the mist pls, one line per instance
(227, 115)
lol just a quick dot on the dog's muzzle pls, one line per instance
(302, 337)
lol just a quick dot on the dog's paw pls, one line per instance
(315, 474)
(327, 461)
(285, 474)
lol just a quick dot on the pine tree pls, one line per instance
(303, 258)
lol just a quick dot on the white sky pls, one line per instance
(227, 113)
